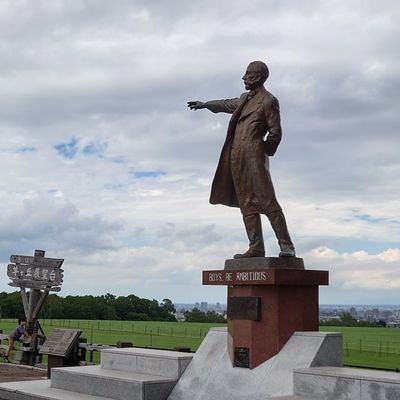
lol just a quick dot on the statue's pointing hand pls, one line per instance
(196, 105)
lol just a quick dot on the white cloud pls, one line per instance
(115, 77)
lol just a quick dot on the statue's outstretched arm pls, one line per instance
(216, 106)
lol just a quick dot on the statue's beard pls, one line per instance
(251, 85)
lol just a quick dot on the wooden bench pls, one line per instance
(3, 337)
(17, 349)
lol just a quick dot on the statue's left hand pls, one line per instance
(270, 147)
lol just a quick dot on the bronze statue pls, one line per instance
(242, 178)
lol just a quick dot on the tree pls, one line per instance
(212, 316)
(11, 305)
(106, 306)
(347, 319)
(197, 315)
(168, 306)
(108, 298)
(134, 316)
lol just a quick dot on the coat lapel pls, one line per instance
(252, 104)
(236, 116)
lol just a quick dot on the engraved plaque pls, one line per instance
(60, 342)
(242, 357)
(244, 308)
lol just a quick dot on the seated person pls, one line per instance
(19, 331)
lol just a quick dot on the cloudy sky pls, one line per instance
(103, 164)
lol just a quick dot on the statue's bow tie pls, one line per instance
(251, 94)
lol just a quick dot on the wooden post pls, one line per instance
(41, 275)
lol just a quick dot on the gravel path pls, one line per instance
(12, 373)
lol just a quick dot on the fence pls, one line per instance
(129, 327)
(379, 354)
(371, 347)
(381, 347)
(155, 334)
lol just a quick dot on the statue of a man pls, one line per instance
(242, 178)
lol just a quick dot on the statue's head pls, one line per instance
(256, 74)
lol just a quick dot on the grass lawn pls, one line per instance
(164, 335)
(369, 347)
(364, 347)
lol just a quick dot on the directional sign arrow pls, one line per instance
(39, 261)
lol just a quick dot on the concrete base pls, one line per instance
(118, 385)
(294, 397)
(210, 375)
(169, 364)
(347, 384)
(124, 374)
(39, 390)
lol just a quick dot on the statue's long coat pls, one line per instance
(242, 178)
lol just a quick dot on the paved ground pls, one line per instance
(12, 373)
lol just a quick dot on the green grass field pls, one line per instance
(364, 347)
(370, 347)
(152, 334)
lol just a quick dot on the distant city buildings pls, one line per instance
(390, 315)
(202, 306)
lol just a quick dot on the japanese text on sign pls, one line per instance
(35, 273)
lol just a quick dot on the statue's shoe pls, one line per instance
(250, 253)
(287, 253)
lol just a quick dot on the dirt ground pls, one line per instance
(12, 373)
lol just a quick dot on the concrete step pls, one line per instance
(113, 384)
(40, 390)
(335, 383)
(170, 364)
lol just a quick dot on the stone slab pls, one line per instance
(294, 397)
(119, 385)
(40, 390)
(303, 348)
(347, 383)
(165, 363)
(265, 262)
(210, 375)
(330, 352)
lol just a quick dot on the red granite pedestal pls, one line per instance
(268, 300)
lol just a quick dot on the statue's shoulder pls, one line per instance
(269, 94)
(270, 99)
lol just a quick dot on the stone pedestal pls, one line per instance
(268, 300)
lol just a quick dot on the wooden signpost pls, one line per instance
(40, 275)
